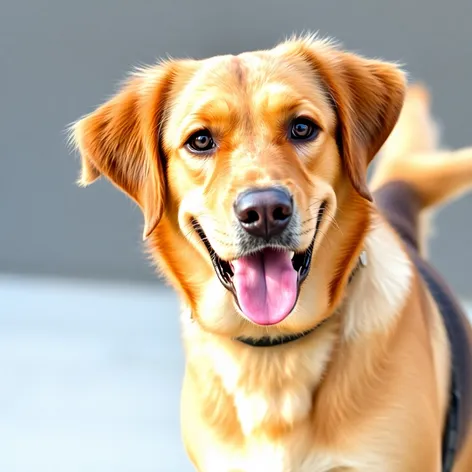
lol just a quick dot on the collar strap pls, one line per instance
(267, 341)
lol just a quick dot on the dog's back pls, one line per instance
(412, 178)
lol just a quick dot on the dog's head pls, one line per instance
(251, 174)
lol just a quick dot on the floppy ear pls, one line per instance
(367, 96)
(120, 140)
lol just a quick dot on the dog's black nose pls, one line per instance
(264, 212)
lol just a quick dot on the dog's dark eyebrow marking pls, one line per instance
(238, 70)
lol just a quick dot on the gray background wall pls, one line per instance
(58, 59)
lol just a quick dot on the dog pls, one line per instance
(317, 336)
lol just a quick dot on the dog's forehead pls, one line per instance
(253, 81)
(253, 70)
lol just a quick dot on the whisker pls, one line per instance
(308, 220)
(315, 202)
(324, 213)
(333, 220)
(307, 231)
(190, 228)
(213, 220)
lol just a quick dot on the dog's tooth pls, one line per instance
(291, 253)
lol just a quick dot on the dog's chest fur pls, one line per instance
(290, 455)
(270, 388)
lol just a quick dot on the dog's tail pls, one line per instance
(412, 174)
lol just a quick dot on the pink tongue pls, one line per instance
(266, 286)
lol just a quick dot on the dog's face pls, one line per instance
(251, 174)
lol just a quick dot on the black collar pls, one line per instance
(267, 341)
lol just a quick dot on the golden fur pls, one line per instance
(367, 390)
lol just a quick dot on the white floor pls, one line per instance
(89, 378)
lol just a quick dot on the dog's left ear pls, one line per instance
(120, 140)
(367, 95)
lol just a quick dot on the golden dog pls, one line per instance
(315, 339)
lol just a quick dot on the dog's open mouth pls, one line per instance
(265, 283)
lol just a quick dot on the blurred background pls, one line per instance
(90, 355)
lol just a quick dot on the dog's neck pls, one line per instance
(275, 386)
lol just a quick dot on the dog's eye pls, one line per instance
(201, 141)
(303, 129)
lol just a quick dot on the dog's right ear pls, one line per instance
(367, 96)
(120, 140)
